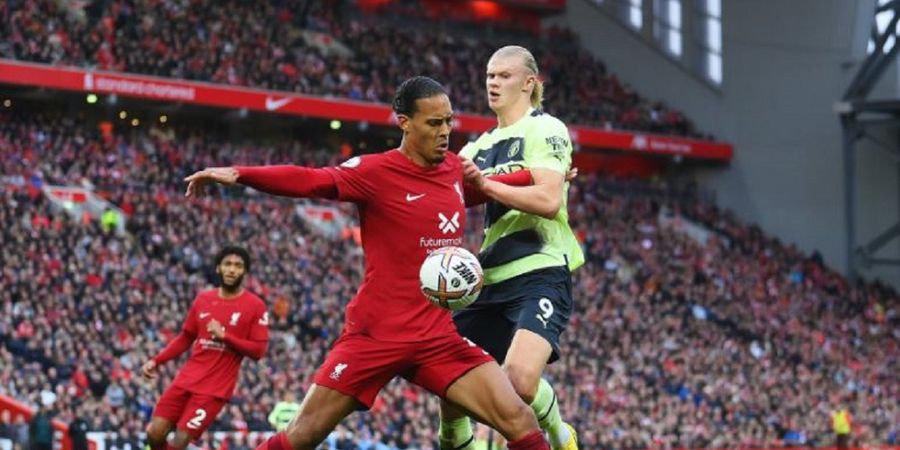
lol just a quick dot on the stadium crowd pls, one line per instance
(740, 341)
(321, 48)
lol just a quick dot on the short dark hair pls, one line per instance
(412, 90)
(234, 250)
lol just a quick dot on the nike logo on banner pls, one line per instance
(412, 198)
(272, 104)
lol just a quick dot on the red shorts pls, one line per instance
(188, 410)
(360, 366)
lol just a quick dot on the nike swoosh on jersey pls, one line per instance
(273, 104)
(412, 197)
(202, 315)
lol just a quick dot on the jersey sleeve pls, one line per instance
(191, 325)
(549, 146)
(259, 330)
(356, 178)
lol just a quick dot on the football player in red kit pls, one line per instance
(411, 200)
(223, 326)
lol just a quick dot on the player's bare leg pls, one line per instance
(486, 394)
(525, 362)
(322, 409)
(181, 439)
(157, 431)
(524, 372)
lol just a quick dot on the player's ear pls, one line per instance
(403, 122)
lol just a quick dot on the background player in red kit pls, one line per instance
(411, 201)
(224, 325)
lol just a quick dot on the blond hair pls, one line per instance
(537, 95)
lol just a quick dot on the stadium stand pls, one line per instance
(333, 49)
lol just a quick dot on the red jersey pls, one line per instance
(213, 367)
(406, 211)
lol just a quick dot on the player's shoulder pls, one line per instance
(254, 300)
(359, 162)
(544, 120)
(206, 295)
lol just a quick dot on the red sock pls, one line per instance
(533, 441)
(277, 442)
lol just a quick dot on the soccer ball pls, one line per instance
(451, 277)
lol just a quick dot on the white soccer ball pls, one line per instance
(451, 277)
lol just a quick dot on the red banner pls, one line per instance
(550, 5)
(164, 89)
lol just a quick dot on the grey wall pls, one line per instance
(878, 197)
(785, 64)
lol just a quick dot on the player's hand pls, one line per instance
(471, 173)
(148, 370)
(216, 329)
(571, 174)
(199, 180)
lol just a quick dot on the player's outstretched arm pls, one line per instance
(198, 181)
(543, 198)
(289, 181)
(471, 191)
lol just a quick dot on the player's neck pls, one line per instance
(413, 156)
(228, 294)
(512, 114)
